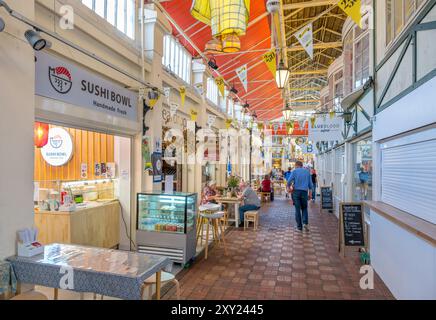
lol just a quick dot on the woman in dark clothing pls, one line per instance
(314, 182)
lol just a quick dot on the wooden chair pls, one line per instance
(213, 219)
(30, 295)
(165, 277)
(251, 216)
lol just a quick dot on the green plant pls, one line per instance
(233, 182)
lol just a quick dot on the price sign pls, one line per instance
(326, 198)
(351, 227)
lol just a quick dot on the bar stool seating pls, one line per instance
(217, 229)
(165, 277)
(251, 216)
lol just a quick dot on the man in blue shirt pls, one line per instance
(302, 184)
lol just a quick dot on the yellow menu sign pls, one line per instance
(352, 9)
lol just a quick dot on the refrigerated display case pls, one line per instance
(166, 224)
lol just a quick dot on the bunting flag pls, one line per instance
(312, 121)
(153, 98)
(290, 128)
(301, 124)
(242, 74)
(332, 114)
(276, 128)
(221, 86)
(173, 109)
(228, 123)
(182, 91)
(260, 126)
(305, 37)
(194, 115)
(352, 9)
(167, 94)
(270, 58)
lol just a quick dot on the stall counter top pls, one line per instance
(80, 208)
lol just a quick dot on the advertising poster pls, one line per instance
(84, 170)
(156, 159)
(146, 154)
(97, 169)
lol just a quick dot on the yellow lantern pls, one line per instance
(228, 19)
(214, 46)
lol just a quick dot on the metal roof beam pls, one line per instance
(308, 4)
(317, 46)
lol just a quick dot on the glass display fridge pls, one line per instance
(166, 224)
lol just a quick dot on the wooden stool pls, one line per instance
(251, 216)
(225, 218)
(165, 277)
(265, 196)
(217, 229)
(30, 295)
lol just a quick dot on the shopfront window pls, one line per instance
(398, 14)
(177, 59)
(119, 13)
(362, 180)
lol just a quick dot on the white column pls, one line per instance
(17, 96)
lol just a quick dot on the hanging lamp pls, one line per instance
(40, 134)
(282, 75)
(213, 46)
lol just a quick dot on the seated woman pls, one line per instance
(266, 186)
(209, 193)
(251, 201)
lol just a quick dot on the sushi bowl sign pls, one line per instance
(59, 149)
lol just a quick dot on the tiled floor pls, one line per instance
(279, 262)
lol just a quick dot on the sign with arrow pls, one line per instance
(351, 226)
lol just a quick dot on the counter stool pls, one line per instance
(30, 295)
(217, 229)
(251, 216)
(165, 277)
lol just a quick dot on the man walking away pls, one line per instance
(287, 175)
(302, 184)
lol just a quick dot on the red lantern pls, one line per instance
(40, 134)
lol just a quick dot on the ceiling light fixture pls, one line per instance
(282, 75)
(234, 90)
(212, 64)
(36, 41)
(287, 113)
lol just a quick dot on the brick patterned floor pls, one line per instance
(279, 262)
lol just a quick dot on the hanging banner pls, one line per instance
(307, 149)
(312, 121)
(182, 91)
(221, 86)
(167, 93)
(146, 154)
(228, 123)
(242, 74)
(173, 109)
(153, 98)
(194, 115)
(305, 37)
(210, 120)
(352, 9)
(332, 114)
(270, 58)
(326, 129)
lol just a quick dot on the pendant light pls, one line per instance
(282, 75)
(40, 134)
(287, 113)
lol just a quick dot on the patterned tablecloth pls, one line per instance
(8, 281)
(112, 273)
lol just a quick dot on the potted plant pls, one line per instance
(232, 184)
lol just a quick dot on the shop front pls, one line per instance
(85, 124)
(362, 169)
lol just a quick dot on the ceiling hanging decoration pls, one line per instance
(40, 134)
(213, 46)
(273, 6)
(228, 20)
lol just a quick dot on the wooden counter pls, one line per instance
(97, 226)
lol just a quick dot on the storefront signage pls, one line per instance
(59, 149)
(326, 129)
(326, 198)
(67, 82)
(351, 229)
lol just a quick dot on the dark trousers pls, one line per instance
(245, 208)
(300, 202)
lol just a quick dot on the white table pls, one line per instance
(236, 202)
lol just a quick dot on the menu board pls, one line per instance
(326, 198)
(352, 224)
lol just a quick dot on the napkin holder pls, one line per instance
(30, 249)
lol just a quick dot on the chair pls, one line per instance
(30, 295)
(251, 216)
(165, 277)
(213, 219)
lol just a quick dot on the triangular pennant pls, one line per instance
(270, 58)
(305, 37)
(242, 74)
(228, 123)
(194, 115)
(167, 94)
(352, 9)
(182, 91)
(332, 114)
(221, 86)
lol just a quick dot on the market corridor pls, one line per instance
(278, 262)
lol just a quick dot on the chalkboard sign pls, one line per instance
(326, 198)
(351, 233)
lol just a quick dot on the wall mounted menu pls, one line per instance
(351, 228)
(326, 198)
